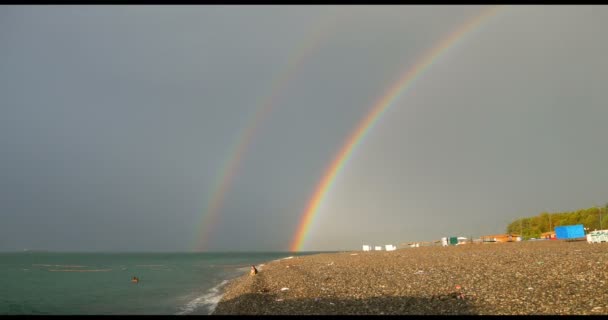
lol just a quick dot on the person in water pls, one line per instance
(135, 280)
(254, 271)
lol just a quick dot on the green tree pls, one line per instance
(533, 227)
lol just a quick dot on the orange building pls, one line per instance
(501, 238)
(548, 235)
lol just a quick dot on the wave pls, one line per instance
(208, 300)
(150, 265)
(240, 265)
(243, 269)
(286, 258)
(72, 270)
(59, 265)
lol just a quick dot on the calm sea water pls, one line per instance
(100, 283)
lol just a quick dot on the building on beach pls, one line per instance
(453, 241)
(389, 247)
(548, 235)
(513, 237)
(571, 232)
(463, 240)
(597, 236)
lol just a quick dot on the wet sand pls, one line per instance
(532, 277)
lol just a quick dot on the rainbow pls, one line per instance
(228, 172)
(372, 117)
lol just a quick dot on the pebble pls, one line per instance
(482, 279)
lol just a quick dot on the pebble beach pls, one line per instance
(551, 277)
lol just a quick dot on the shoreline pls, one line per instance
(211, 298)
(543, 277)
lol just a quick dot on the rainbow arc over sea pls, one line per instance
(321, 29)
(371, 118)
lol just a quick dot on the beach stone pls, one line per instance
(493, 279)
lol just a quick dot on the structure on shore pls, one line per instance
(597, 236)
(548, 235)
(509, 237)
(567, 233)
(445, 241)
(388, 247)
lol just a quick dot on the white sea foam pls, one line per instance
(150, 265)
(208, 300)
(286, 258)
(243, 269)
(59, 265)
(72, 270)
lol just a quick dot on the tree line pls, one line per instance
(533, 227)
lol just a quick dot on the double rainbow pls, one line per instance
(312, 41)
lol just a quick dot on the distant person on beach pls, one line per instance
(135, 280)
(254, 271)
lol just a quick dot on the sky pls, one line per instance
(117, 121)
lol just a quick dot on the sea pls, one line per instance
(48, 283)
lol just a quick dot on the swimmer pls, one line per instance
(254, 271)
(135, 280)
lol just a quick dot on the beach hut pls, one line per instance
(570, 232)
(390, 247)
(378, 248)
(444, 241)
(501, 238)
(453, 241)
(597, 236)
(366, 247)
(548, 235)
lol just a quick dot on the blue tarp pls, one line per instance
(570, 232)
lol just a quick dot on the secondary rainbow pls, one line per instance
(378, 109)
(228, 172)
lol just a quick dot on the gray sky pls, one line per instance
(115, 122)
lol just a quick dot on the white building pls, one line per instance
(366, 247)
(378, 248)
(463, 240)
(597, 236)
(390, 247)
